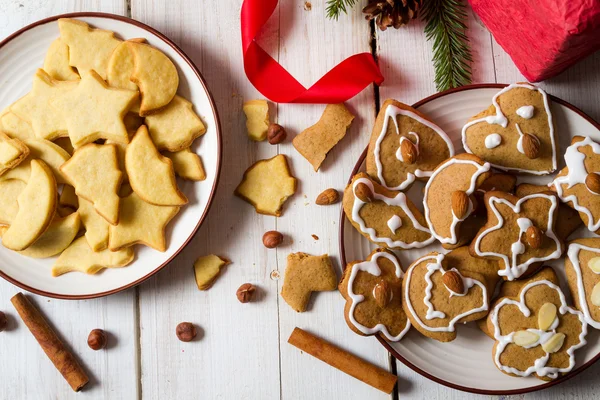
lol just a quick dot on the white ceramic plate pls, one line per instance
(20, 55)
(466, 363)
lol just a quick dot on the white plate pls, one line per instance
(20, 55)
(466, 363)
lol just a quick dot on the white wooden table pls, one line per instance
(242, 352)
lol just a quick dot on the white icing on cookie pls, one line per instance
(432, 267)
(512, 269)
(539, 366)
(575, 161)
(392, 112)
(573, 254)
(453, 239)
(525, 112)
(493, 140)
(398, 201)
(394, 223)
(372, 268)
(500, 119)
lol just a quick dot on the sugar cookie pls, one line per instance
(96, 227)
(15, 127)
(207, 269)
(81, 258)
(120, 66)
(187, 164)
(257, 119)
(9, 192)
(12, 152)
(56, 63)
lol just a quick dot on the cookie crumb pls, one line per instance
(307, 5)
(315, 236)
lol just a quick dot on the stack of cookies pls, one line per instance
(498, 231)
(89, 157)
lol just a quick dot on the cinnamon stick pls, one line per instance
(56, 351)
(344, 361)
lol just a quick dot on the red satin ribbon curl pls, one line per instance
(343, 82)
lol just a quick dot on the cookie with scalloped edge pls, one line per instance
(150, 174)
(9, 193)
(12, 152)
(37, 206)
(80, 257)
(94, 172)
(156, 76)
(187, 164)
(89, 49)
(176, 126)
(56, 63)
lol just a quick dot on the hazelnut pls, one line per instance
(272, 239)
(186, 331)
(276, 134)
(3, 321)
(246, 292)
(97, 339)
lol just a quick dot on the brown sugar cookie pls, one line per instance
(519, 232)
(583, 275)
(578, 184)
(516, 132)
(441, 292)
(305, 274)
(408, 148)
(448, 199)
(386, 218)
(536, 332)
(373, 293)
(497, 181)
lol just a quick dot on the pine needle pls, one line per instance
(451, 52)
(336, 7)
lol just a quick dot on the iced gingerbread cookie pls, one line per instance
(449, 197)
(373, 293)
(578, 184)
(387, 218)
(497, 181)
(440, 292)
(519, 232)
(536, 332)
(583, 274)
(405, 145)
(516, 132)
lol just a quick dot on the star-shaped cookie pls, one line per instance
(95, 111)
(141, 222)
(35, 107)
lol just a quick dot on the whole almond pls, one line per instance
(460, 204)
(531, 146)
(453, 281)
(327, 197)
(409, 151)
(382, 293)
(592, 181)
(272, 239)
(363, 192)
(534, 237)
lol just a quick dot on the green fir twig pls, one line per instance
(451, 52)
(336, 7)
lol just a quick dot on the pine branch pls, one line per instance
(451, 51)
(336, 7)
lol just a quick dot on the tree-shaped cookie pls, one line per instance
(578, 184)
(519, 232)
(405, 145)
(94, 172)
(583, 275)
(94, 111)
(150, 174)
(305, 274)
(373, 293)
(516, 132)
(536, 332)
(439, 294)
(387, 218)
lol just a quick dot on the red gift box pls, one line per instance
(543, 37)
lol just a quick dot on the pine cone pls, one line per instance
(392, 12)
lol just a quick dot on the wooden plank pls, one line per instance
(237, 353)
(31, 375)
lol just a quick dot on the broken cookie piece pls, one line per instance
(315, 142)
(257, 119)
(305, 274)
(207, 269)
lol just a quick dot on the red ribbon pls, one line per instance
(343, 82)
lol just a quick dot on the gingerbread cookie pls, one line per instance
(409, 148)
(536, 332)
(387, 218)
(516, 133)
(373, 293)
(578, 184)
(439, 294)
(497, 181)
(583, 275)
(449, 197)
(305, 274)
(519, 232)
